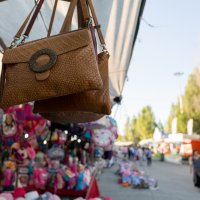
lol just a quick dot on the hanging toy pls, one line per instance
(9, 175)
(9, 129)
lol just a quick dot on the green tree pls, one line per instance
(160, 126)
(191, 98)
(128, 131)
(145, 123)
(168, 126)
(120, 138)
(182, 119)
(136, 135)
(191, 106)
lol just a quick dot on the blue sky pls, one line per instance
(172, 46)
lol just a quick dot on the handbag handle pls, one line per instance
(27, 32)
(30, 25)
(83, 12)
(52, 18)
(21, 29)
(17, 36)
(68, 19)
(98, 27)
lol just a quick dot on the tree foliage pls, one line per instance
(141, 126)
(160, 127)
(145, 123)
(129, 134)
(120, 138)
(191, 106)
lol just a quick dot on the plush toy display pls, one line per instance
(56, 153)
(23, 154)
(40, 177)
(132, 176)
(40, 155)
(73, 168)
(9, 129)
(80, 185)
(9, 175)
(40, 159)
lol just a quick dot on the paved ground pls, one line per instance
(175, 183)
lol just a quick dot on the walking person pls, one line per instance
(132, 153)
(195, 167)
(149, 157)
(129, 152)
(140, 154)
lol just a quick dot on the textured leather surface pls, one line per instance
(72, 117)
(97, 101)
(60, 44)
(76, 69)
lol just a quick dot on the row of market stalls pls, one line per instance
(176, 147)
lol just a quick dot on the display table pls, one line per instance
(59, 192)
(91, 192)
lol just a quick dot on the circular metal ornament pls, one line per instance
(42, 68)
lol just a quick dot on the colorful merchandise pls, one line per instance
(9, 130)
(131, 175)
(62, 161)
(40, 178)
(9, 175)
(33, 195)
(6, 196)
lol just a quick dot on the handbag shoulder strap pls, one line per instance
(100, 34)
(19, 33)
(94, 17)
(21, 29)
(68, 19)
(30, 25)
(86, 17)
(52, 18)
(85, 12)
(35, 14)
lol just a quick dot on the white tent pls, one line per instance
(119, 20)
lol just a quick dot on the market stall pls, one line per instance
(63, 159)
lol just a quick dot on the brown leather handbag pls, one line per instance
(71, 108)
(50, 67)
(72, 117)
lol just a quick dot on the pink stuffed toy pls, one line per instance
(8, 177)
(125, 169)
(31, 154)
(40, 177)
